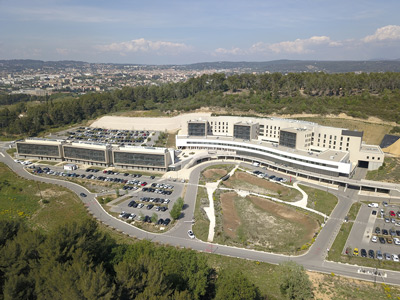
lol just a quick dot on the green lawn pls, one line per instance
(41, 205)
(202, 224)
(320, 200)
(390, 171)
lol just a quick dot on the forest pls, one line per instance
(358, 95)
(78, 261)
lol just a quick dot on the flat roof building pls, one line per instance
(143, 158)
(42, 149)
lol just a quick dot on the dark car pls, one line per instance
(377, 230)
(130, 204)
(167, 221)
(398, 232)
(382, 240)
(371, 254)
(83, 195)
(149, 206)
(374, 212)
(152, 177)
(363, 253)
(160, 221)
(392, 232)
(385, 232)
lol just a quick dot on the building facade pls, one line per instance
(300, 144)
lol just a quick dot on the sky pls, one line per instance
(188, 31)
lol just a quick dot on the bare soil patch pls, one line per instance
(50, 193)
(231, 220)
(211, 173)
(248, 182)
(310, 225)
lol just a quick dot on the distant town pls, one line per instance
(41, 78)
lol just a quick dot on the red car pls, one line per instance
(392, 214)
(144, 184)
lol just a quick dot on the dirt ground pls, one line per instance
(328, 287)
(287, 213)
(210, 173)
(394, 148)
(248, 182)
(231, 220)
(49, 193)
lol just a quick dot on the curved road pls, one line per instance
(313, 260)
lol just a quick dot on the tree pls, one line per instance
(154, 218)
(176, 209)
(234, 285)
(295, 282)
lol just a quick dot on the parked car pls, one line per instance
(387, 256)
(371, 254)
(374, 239)
(167, 221)
(385, 232)
(392, 214)
(130, 204)
(355, 252)
(396, 241)
(389, 240)
(375, 205)
(379, 254)
(363, 253)
(160, 222)
(382, 240)
(384, 203)
(377, 230)
(395, 257)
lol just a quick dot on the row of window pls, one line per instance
(263, 150)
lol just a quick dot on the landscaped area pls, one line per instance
(248, 182)
(202, 224)
(261, 224)
(214, 173)
(319, 200)
(389, 172)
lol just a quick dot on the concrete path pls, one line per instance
(211, 188)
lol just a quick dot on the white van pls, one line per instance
(256, 164)
(375, 205)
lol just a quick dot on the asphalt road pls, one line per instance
(313, 260)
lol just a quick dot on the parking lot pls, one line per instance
(145, 195)
(377, 229)
(156, 197)
(112, 136)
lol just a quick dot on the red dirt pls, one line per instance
(231, 220)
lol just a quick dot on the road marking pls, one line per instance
(2, 154)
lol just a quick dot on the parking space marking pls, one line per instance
(369, 228)
(2, 154)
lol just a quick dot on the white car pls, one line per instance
(397, 224)
(131, 217)
(374, 239)
(191, 234)
(140, 205)
(396, 241)
(375, 205)
(121, 214)
(395, 257)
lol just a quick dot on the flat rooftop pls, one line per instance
(330, 155)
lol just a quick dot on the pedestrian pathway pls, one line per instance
(211, 187)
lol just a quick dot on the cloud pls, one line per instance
(298, 46)
(389, 32)
(301, 46)
(233, 51)
(142, 45)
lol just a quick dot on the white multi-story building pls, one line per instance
(298, 144)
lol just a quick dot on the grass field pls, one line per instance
(244, 181)
(249, 222)
(202, 224)
(320, 200)
(373, 133)
(42, 205)
(389, 172)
